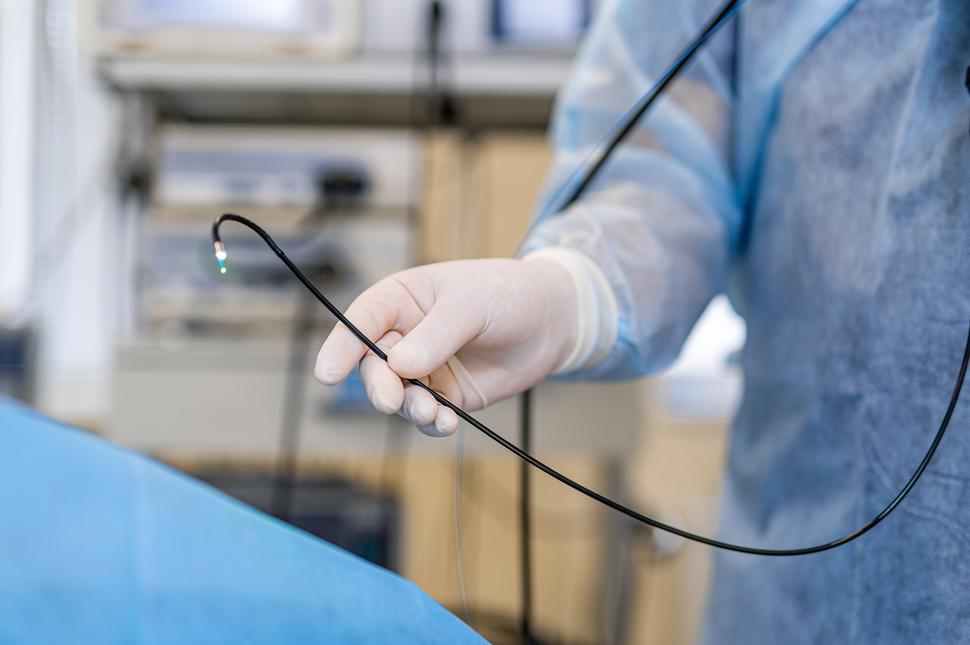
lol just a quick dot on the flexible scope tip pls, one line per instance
(221, 256)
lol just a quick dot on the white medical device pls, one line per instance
(234, 29)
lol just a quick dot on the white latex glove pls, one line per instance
(476, 331)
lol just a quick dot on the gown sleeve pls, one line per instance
(662, 220)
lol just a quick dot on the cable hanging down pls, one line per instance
(221, 256)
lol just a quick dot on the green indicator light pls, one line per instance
(221, 257)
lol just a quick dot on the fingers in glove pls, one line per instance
(445, 420)
(384, 388)
(449, 325)
(375, 312)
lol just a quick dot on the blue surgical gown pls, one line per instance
(100, 545)
(813, 162)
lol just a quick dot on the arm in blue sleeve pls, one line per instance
(662, 219)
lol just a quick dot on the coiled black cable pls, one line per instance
(585, 175)
(592, 494)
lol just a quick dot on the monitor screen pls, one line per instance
(540, 22)
(278, 15)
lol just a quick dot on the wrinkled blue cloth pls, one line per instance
(814, 162)
(100, 545)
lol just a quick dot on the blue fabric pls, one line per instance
(99, 545)
(816, 159)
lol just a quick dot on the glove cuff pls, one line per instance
(597, 310)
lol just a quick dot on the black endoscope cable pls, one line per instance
(584, 174)
(612, 141)
(592, 494)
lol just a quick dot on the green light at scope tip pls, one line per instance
(221, 257)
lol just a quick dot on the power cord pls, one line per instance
(440, 109)
(593, 164)
(525, 517)
(285, 481)
(459, 540)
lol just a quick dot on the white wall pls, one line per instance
(74, 221)
(16, 159)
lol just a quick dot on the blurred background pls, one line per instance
(367, 136)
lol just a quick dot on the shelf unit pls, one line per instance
(374, 74)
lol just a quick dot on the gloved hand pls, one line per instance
(476, 331)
